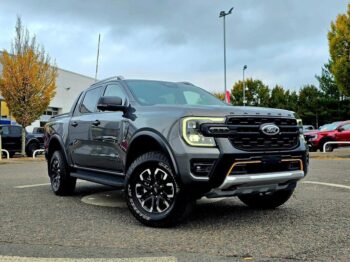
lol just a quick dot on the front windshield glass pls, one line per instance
(329, 127)
(165, 93)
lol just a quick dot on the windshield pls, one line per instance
(329, 127)
(166, 93)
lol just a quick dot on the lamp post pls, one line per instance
(223, 14)
(244, 100)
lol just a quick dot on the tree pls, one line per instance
(28, 80)
(278, 98)
(309, 104)
(220, 95)
(339, 48)
(327, 82)
(257, 93)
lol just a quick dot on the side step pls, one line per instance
(100, 178)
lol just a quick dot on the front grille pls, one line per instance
(247, 135)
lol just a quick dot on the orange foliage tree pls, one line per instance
(28, 80)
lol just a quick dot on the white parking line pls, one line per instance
(136, 259)
(44, 184)
(35, 185)
(326, 184)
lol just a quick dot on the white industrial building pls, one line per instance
(69, 86)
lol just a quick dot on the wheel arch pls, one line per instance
(145, 141)
(56, 143)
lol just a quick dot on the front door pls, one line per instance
(106, 132)
(344, 135)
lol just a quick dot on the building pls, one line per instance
(69, 86)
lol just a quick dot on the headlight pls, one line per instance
(191, 133)
(313, 137)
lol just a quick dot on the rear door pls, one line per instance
(83, 154)
(344, 135)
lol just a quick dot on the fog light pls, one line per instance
(201, 167)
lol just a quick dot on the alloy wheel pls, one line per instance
(155, 190)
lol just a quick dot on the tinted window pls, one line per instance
(157, 92)
(90, 101)
(5, 131)
(115, 90)
(15, 130)
(346, 127)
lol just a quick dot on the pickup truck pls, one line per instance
(168, 144)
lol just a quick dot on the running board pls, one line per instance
(104, 179)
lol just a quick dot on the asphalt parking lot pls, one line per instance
(95, 223)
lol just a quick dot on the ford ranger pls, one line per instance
(168, 144)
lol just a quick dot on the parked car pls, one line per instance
(337, 131)
(11, 136)
(307, 128)
(168, 144)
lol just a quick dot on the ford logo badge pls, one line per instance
(270, 129)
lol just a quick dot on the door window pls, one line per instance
(346, 127)
(90, 101)
(5, 131)
(15, 130)
(115, 90)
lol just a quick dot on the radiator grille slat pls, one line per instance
(248, 136)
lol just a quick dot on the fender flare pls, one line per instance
(57, 138)
(158, 137)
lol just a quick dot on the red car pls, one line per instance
(337, 131)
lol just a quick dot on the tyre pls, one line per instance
(267, 200)
(329, 147)
(61, 182)
(30, 148)
(154, 194)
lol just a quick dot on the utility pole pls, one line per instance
(223, 14)
(98, 55)
(244, 100)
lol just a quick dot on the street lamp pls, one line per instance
(224, 14)
(244, 100)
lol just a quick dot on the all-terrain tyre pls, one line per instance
(154, 194)
(61, 182)
(267, 200)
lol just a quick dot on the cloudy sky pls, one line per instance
(282, 42)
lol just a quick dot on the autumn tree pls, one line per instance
(339, 49)
(220, 95)
(28, 80)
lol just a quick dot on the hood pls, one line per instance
(185, 110)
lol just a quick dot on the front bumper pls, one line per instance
(255, 183)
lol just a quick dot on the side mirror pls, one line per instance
(111, 103)
(340, 129)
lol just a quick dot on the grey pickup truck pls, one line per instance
(167, 144)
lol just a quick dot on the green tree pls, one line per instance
(278, 98)
(327, 82)
(339, 48)
(28, 80)
(310, 104)
(257, 93)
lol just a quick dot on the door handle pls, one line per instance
(96, 123)
(74, 124)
